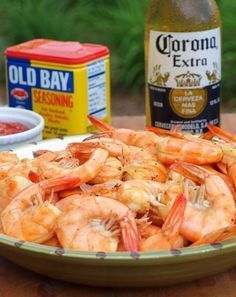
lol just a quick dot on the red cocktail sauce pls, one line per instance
(7, 128)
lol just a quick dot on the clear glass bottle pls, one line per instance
(183, 64)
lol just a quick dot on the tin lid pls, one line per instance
(64, 52)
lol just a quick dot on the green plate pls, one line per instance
(116, 269)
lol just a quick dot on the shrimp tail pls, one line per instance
(82, 146)
(129, 234)
(198, 174)
(100, 125)
(191, 171)
(221, 133)
(208, 135)
(60, 183)
(35, 177)
(82, 150)
(39, 153)
(175, 217)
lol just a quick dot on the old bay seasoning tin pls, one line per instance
(62, 81)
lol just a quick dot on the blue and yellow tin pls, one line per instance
(62, 81)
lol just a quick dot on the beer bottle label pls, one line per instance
(184, 74)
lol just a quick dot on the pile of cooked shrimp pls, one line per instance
(123, 190)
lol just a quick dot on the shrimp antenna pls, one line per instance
(99, 135)
(158, 131)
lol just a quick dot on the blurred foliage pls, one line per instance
(228, 13)
(121, 27)
(117, 23)
(28, 19)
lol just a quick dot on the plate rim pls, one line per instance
(160, 257)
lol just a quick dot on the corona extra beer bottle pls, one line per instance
(183, 64)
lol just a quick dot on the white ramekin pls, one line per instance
(27, 117)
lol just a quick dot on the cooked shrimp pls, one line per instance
(170, 146)
(210, 207)
(140, 195)
(143, 165)
(83, 150)
(62, 157)
(5, 168)
(227, 142)
(8, 157)
(138, 163)
(174, 146)
(7, 161)
(86, 171)
(108, 189)
(168, 236)
(143, 196)
(64, 204)
(10, 187)
(225, 176)
(143, 139)
(226, 136)
(67, 203)
(24, 167)
(112, 169)
(94, 224)
(29, 217)
(21, 169)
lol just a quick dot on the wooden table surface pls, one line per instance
(18, 282)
